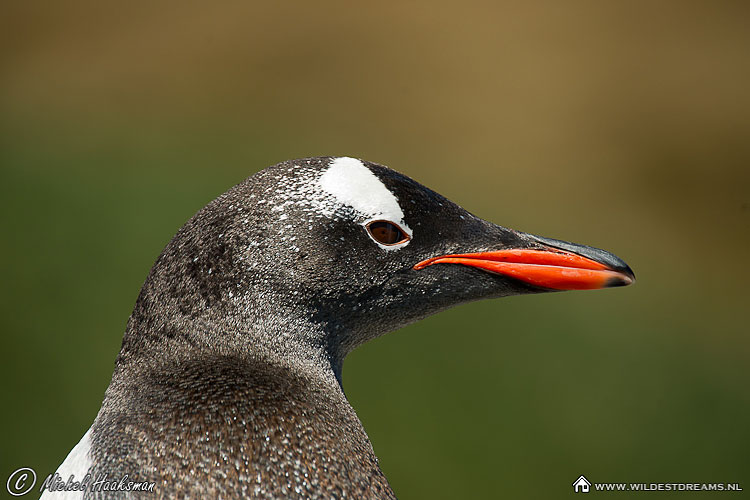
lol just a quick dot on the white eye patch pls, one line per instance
(352, 184)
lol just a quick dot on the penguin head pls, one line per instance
(355, 250)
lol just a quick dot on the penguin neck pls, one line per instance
(206, 403)
(292, 339)
(285, 338)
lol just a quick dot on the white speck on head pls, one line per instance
(352, 184)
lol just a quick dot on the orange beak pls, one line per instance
(551, 268)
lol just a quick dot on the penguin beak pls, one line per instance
(557, 265)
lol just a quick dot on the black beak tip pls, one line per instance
(626, 275)
(612, 261)
(622, 280)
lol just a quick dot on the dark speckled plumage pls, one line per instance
(227, 426)
(228, 383)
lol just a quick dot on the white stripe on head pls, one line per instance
(352, 184)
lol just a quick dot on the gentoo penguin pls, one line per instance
(228, 383)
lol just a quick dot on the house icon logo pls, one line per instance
(581, 485)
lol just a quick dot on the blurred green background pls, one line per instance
(623, 125)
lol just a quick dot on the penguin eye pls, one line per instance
(387, 233)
